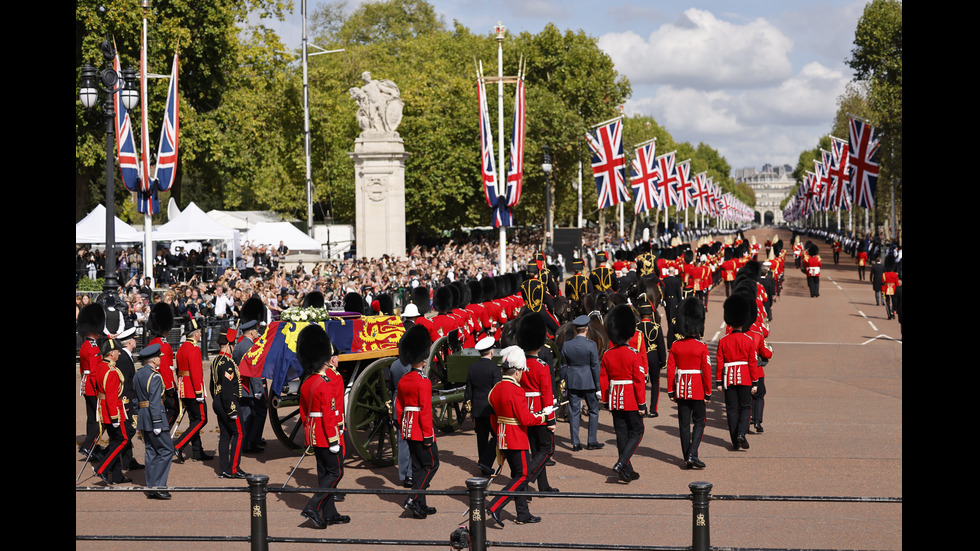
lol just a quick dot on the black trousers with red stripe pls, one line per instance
(230, 441)
(111, 465)
(329, 471)
(518, 461)
(197, 414)
(425, 463)
(542, 442)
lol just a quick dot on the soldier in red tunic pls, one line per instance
(191, 391)
(623, 384)
(512, 418)
(321, 409)
(91, 322)
(737, 370)
(413, 409)
(538, 389)
(689, 378)
(112, 414)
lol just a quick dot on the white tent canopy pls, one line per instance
(91, 229)
(271, 233)
(190, 225)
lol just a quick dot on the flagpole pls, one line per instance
(148, 215)
(499, 32)
(579, 192)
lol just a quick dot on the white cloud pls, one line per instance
(808, 98)
(700, 50)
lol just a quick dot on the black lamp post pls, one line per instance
(106, 80)
(546, 167)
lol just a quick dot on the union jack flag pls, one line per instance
(699, 197)
(642, 172)
(666, 180)
(823, 173)
(125, 142)
(501, 214)
(863, 145)
(166, 170)
(515, 167)
(608, 163)
(840, 199)
(684, 185)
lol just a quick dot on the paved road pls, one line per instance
(833, 428)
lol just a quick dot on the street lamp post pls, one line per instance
(546, 167)
(106, 80)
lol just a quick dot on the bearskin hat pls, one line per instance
(621, 324)
(354, 302)
(253, 310)
(489, 288)
(750, 271)
(313, 348)
(465, 297)
(414, 345)
(688, 257)
(386, 304)
(690, 317)
(442, 301)
(513, 285)
(777, 247)
(91, 320)
(160, 320)
(889, 263)
(457, 296)
(476, 291)
(813, 250)
(740, 311)
(420, 298)
(314, 299)
(531, 331)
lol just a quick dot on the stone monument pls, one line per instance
(379, 170)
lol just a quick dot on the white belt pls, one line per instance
(813, 271)
(86, 372)
(529, 394)
(688, 372)
(411, 408)
(621, 382)
(315, 414)
(730, 364)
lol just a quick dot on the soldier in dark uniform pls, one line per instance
(253, 309)
(483, 374)
(127, 339)
(656, 351)
(535, 296)
(602, 277)
(152, 422)
(577, 286)
(226, 391)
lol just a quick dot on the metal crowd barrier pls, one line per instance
(475, 538)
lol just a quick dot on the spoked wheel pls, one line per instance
(448, 411)
(370, 409)
(284, 418)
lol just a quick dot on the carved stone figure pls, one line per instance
(379, 105)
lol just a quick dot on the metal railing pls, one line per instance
(475, 537)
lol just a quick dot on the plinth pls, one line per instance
(379, 181)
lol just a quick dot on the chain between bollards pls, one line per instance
(701, 529)
(257, 511)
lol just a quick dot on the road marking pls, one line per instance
(872, 339)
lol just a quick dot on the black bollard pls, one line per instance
(260, 525)
(477, 487)
(701, 530)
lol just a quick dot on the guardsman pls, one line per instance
(581, 358)
(728, 270)
(538, 389)
(256, 396)
(836, 248)
(737, 370)
(889, 283)
(862, 262)
(689, 379)
(152, 422)
(190, 372)
(91, 321)
(534, 294)
(602, 277)
(577, 285)
(159, 324)
(226, 391)
(812, 270)
(112, 414)
(126, 366)
(656, 349)
(481, 377)
(512, 418)
(413, 409)
(624, 388)
(321, 408)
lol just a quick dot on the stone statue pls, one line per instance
(379, 105)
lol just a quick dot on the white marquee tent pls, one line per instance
(91, 229)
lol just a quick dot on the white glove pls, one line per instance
(598, 394)
(335, 448)
(156, 432)
(115, 425)
(548, 410)
(200, 399)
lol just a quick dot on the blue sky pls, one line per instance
(757, 80)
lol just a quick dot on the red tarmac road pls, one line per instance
(833, 427)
